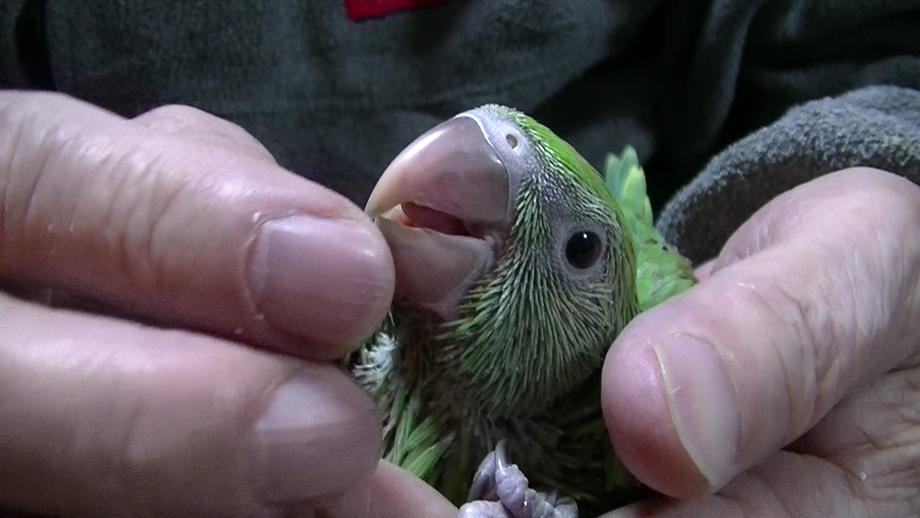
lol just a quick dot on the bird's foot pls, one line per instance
(500, 490)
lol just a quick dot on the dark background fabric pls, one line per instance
(336, 99)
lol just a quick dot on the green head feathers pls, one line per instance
(540, 322)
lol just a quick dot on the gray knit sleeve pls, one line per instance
(876, 126)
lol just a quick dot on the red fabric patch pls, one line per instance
(363, 9)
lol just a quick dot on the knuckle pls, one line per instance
(171, 116)
(147, 222)
(190, 122)
(804, 362)
(38, 190)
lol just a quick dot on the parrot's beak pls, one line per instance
(444, 207)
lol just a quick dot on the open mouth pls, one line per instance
(437, 257)
(443, 207)
(415, 215)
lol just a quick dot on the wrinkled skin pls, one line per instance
(154, 219)
(817, 349)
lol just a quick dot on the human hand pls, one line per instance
(787, 381)
(183, 219)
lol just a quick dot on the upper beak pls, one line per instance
(444, 207)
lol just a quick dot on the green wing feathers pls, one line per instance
(413, 442)
(661, 272)
(625, 179)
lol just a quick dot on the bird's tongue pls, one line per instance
(443, 205)
(424, 217)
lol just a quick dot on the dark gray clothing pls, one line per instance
(873, 126)
(335, 99)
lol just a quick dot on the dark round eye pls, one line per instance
(583, 249)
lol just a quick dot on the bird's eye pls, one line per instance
(583, 249)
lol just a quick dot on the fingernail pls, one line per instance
(703, 404)
(319, 436)
(326, 279)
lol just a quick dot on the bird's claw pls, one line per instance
(500, 490)
(483, 486)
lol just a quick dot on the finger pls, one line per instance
(704, 270)
(860, 460)
(787, 485)
(390, 493)
(106, 417)
(184, 232)
(873, 438)
(191, 123)
(813, 297)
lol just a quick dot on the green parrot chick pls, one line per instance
(515, 270)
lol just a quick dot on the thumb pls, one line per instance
(104, 417)
(811, 298)
(182, 217)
